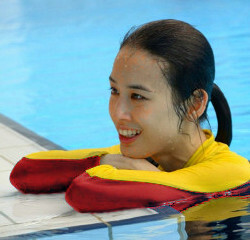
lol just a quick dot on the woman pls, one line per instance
(161, 84)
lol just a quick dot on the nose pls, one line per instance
(121, 110)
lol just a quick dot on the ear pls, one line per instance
(197, 105)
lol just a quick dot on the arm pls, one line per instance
(53, 171)
(106, 188)
(121, 162)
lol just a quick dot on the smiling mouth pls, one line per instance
(127, 139)
(129, 133)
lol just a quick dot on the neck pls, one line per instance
(184, 147)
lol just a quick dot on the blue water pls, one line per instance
(56, 56)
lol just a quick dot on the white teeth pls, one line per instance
(128, 133)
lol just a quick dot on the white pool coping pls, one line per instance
(29, 214)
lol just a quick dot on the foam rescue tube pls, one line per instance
(48, 175)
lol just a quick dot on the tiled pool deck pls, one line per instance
(48, 216)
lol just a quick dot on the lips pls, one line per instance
(128, 140)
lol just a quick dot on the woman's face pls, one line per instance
(141, 106)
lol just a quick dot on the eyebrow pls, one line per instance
(133, 86)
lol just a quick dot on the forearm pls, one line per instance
(121, 162)
(49, 172)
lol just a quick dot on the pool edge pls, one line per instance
(29, 134)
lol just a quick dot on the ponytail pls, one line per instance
(223, 113)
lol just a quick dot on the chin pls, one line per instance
(133, 154)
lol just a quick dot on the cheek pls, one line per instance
(147, 111)
(144, 116)
(152, 121)
(160, 122)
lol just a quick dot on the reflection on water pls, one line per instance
(227, 229)
(224, 218)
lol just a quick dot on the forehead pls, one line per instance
(138, 66)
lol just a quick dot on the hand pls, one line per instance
(121, 162)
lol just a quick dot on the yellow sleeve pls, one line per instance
(75, 154)
(209, 176)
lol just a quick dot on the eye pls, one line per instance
(134, 96)
(113, 91)
(138, 96)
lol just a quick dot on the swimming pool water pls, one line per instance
(56, 57)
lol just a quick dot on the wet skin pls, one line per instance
(142, 100)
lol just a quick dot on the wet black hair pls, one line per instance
(188, 62)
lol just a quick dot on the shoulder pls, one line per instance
(222, 169)
(223, 156)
